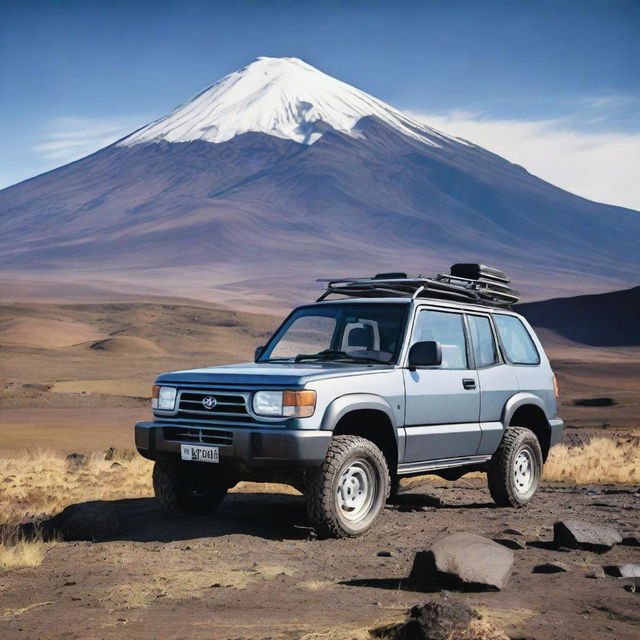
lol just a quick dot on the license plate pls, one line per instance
(199, 454)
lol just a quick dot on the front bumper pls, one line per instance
(249, 447)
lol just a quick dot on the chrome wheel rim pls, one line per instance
(524, 473)
(356, 490)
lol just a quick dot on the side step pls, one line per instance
(409, 468)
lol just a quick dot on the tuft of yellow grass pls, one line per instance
(601, 460)
(21, 553)
(41, 483)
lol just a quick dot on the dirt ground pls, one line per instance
(253, 571)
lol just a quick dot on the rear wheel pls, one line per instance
(347, 493)
(188, 487)
(515, 468)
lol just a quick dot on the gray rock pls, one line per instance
(576, 534)
(596, 572)
(629, 570)
(75, 461)
(551, 567)
(435, 621)
(462, 561)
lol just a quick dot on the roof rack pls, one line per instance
(472, 283)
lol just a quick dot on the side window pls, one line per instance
(518, 345)
(448, 330)
(484, 345)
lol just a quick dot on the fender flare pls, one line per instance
(343, 405)
(519, 400)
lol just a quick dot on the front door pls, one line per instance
(442, 411)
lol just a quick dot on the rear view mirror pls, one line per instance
(258, 353)
(425, 354)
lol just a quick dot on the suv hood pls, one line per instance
(270, 373)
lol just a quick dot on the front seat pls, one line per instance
(361, 342)
(361, 337)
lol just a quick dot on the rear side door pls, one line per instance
(442, 407)
(497, 380)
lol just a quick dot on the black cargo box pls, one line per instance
(478, 272)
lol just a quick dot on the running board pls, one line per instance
(444, 463)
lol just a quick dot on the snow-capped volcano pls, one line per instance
(279, 174)
(282, 97)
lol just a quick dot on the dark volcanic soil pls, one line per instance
(254, 571)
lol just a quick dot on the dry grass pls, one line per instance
(43, 482)
(17, 551)
(601, 460)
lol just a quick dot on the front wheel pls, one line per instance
(347, 493)
(188, 487)
(515, 468)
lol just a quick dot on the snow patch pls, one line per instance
(282, 97)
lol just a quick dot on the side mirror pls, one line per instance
(425, 354)
(258, 353)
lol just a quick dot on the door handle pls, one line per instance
(468, 383)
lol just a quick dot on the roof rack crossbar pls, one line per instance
(486, 289)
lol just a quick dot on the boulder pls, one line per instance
(576, 534)
(462, 561)
(440, 621)
(631, 570)
(75, 461)
(596, 573)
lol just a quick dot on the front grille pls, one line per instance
(229, 407)
(195, 434)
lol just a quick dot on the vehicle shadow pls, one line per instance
(272, 516)
(264, 515)
(418, 501)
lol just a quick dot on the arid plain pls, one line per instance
(75, 376)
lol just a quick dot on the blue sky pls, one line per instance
(530, 80)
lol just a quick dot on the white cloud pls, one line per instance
(602, 166)
(71, 138)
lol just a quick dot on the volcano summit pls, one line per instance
(278, 174)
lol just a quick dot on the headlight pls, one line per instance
(163, 398)
(285, 404)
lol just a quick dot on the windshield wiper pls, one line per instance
(331, 354)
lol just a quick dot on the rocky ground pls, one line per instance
(256, 571)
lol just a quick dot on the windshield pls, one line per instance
(357, 332)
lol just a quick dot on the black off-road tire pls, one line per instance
(501, 472)
(394, 487)
(188, 487)
(322, 485)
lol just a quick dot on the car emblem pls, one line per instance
(208, 402)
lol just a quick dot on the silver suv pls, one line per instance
(398, 377)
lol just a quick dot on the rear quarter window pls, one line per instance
(516, 342)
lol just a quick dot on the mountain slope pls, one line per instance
(240, 191)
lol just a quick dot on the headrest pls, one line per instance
(361, 337)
